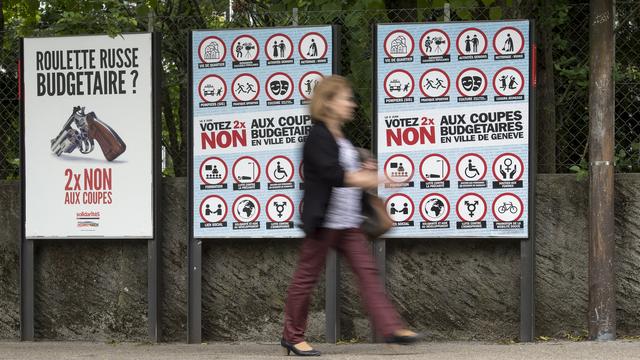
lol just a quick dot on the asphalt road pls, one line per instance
(617, 350)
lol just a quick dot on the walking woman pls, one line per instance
(334, 180)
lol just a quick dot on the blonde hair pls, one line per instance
(324, 92)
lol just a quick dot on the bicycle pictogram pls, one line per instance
(507, 206)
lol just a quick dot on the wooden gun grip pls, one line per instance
(111, 144)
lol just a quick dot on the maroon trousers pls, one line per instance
(352, 244)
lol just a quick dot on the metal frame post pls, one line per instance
(527, 246)
(332, 271)
(26, 246)
(154, 254)
(379, 246)
(194, 251)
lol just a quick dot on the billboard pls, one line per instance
(452, 127)
(250, 93)
(88, 120)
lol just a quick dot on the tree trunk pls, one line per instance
(602, 289)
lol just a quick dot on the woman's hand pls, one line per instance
(366, 179)
(370, 164)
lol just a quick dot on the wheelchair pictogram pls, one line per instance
(280, 169)
(471, 167)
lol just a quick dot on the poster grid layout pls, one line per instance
(251, 89)
(452, 127)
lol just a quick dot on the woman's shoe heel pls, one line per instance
(286, 351)
(289, 347)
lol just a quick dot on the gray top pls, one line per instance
(344, 210)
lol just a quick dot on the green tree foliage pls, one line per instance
(568, 24)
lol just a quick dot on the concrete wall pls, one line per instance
(453, 289)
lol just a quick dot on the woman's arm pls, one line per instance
(366, 179)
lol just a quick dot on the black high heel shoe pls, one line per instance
(289, 348)
(403, 339)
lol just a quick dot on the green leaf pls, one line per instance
(464, 14)
(495, 13)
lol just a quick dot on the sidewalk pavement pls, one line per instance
(617, 350)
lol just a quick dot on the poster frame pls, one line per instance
(28, 245)
(527, 243)
(194, 244)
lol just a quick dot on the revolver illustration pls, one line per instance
(88, 128)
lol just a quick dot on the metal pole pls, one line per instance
(26, 291)
(194, 246)
(332, 304)
(447, 12)
(332, 265)
(602, 301)
(194, 331)
(379, 247)
(153, 329)
(154, 255)
(230, 11)
(294, 16)
(528, 245)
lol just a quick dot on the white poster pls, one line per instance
(452, 128)
(251, 91)
(88, 136)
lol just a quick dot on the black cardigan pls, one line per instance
(322, 172)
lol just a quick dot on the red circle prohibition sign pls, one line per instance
(233, 54)
(224, 49)
(495, 38)
(413, 208)
(513, 69)
(484, 213)
(290, 202)
(202, 81)
(287, 160)
(254, 200)
(484, 81)
(484, 49)
(233, 168)
(300, 83)
(446, 176)
(326, 46)
(217, 197)
(446, 51)
(413, 168)
(257, 86)
(409, 52)
(386, 90)
(266, 85)
(439, 71)
(226, 170)
(464, 157)
(436, 195)
(266, 47)
(493, 206)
